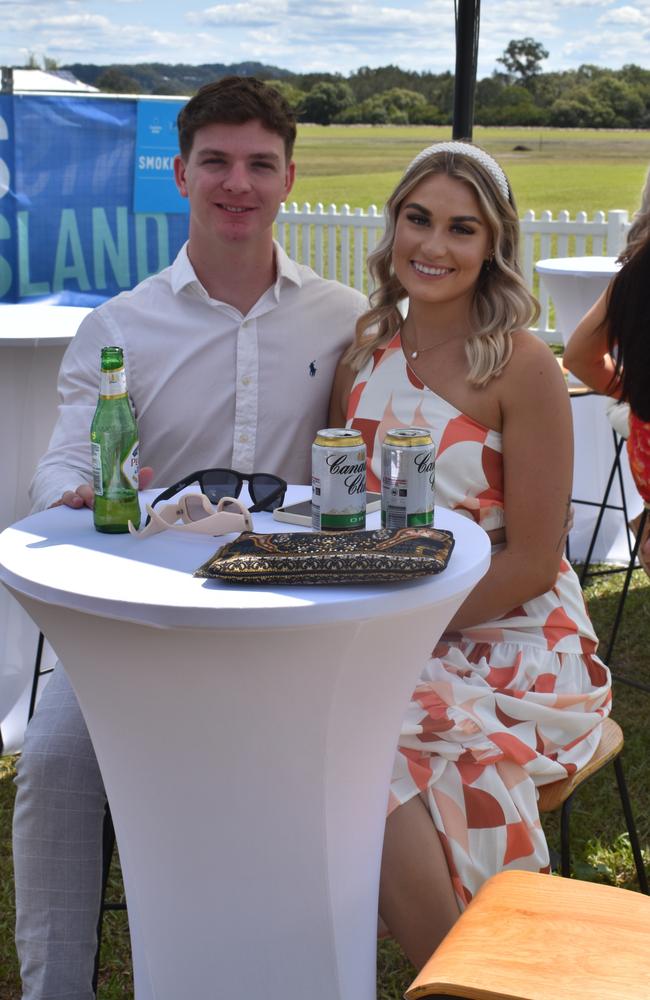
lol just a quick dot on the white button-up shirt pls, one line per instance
(210, 387)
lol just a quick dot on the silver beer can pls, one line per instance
(338, 463)
(408, 464)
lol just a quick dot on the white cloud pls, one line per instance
(241, 14)
(70, 22)
(625, 15)
(78, 35)
(293, 18)
(305, 35)
(624, 47)
(334, 33)
(583, 3)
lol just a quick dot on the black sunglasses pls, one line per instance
(266, 491)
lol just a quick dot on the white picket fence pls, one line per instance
(336, 243)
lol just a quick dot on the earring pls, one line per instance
(489, 260)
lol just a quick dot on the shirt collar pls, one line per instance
(286, 268)
(183, 274)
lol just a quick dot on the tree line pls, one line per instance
(518, 93)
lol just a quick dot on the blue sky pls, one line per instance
(335, 35)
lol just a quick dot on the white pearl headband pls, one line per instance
(475, 153)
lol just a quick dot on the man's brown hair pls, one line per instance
(235, 100)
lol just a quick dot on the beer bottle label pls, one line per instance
(112, 384)
(130, 465)
(98, 479)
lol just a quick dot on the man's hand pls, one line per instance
(84, 495)
(144, 478)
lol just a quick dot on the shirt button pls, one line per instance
(246, 324)
(243, 438)
(246, 380)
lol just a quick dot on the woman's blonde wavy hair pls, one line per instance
(502, 302)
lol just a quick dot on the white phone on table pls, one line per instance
(300, 513)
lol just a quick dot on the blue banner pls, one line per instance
(7, 200)
(156, 145)
(68, 233)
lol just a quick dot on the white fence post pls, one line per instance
(617, 228)
(598, 239)
(336, 243)
(345, 244)
(331, 243)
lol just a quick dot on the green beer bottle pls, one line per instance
(114, 446)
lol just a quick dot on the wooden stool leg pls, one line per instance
(631, 826)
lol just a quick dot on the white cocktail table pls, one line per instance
(33, 339)
(574, 284)
(246, 739)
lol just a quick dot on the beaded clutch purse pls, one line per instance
(300, 558)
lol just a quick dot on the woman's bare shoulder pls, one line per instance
(532, 364)
(528, 349)
(529, 344)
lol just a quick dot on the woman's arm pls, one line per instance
(341, 387)
(587, 354)
(537, 439)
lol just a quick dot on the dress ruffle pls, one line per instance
(486, 726)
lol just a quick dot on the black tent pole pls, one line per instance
(467, 28)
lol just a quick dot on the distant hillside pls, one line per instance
(161, 78)
(586, 97)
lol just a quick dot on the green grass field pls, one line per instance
(573, 169)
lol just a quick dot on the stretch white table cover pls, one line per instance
(32, 341)
(574, 284)
(246, 738)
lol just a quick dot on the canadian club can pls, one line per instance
(338, 469)
(408, 462)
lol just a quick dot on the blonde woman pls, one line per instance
(513, 695)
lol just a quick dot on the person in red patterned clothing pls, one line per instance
(513, 695)
(610, 351)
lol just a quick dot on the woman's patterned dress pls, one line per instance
(501, 707)
(638, 450)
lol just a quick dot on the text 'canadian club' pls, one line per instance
(338, 468)
(408, 464)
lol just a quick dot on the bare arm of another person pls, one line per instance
(587, 353)
(63, 475)
(341, 388)
(537, 440)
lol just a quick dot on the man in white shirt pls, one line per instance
(229, 356)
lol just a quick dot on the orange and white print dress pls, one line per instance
(501, 707)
